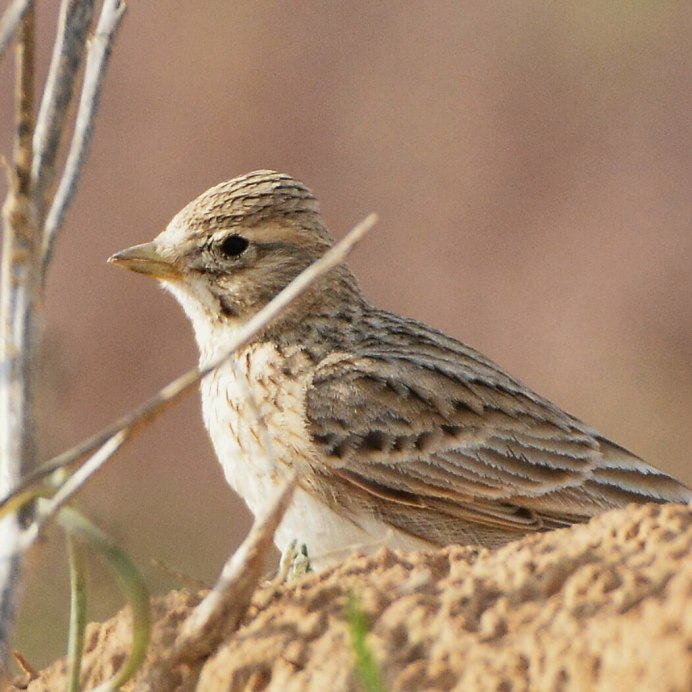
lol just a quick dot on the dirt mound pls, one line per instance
(606, 605)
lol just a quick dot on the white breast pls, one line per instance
(254, 417)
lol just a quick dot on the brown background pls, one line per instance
(531, 166)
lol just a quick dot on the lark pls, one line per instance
(399, 435)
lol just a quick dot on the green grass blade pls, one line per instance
(367, 667)
(78, 607)
(130, 582)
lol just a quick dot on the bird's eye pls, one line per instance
(234, 245)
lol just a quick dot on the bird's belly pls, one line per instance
(330, 537)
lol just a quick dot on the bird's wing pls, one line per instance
(451, 434)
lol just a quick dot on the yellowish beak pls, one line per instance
(145, 259)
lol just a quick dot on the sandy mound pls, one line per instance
(602, 606)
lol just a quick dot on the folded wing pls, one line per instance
(439, 441)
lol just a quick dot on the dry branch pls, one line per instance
(24, 256)
(10, 20)
(100, 48)
(68, 50)
(225, 606)
(19, 297)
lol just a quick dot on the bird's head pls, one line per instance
(231, 250)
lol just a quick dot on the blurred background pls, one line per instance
(531, 166)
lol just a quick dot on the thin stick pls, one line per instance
(18, 300)
(10, 20)
(111, 438)
(24, 105)
(73, 25)
(224, 607)
(99, 51)
(18, 286)
(51, 507)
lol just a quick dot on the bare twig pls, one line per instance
(129, 424)
(24, 105)
(19, 297)
(10, 20)
(112, 13)
(73, 25)
(23, 271)
(225, 605)
(68, 489)
(30, 673)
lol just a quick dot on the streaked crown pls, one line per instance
(250, 199)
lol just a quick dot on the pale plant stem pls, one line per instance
(69, 47)
(49, 508)
(99, 52)
(225, 605)
(10, 20)
(19, 302)
(24, 260)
